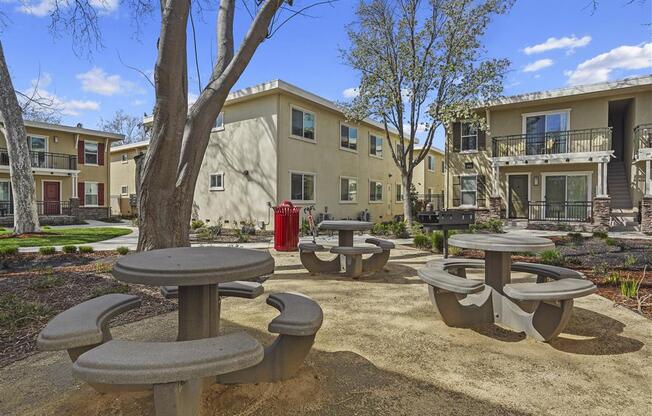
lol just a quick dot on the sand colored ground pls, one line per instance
(383, 351)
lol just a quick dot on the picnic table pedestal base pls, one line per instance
(199, 312)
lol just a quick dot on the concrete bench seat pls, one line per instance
(441, 279)
(86, 325)
(297, 325)
(238, 289)
(384, 244)
(175, 370)
(563, 289)
(357, 250)
(543, 271)
(310, 247)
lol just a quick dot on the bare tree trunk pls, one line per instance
(20, 167)
(407, 201)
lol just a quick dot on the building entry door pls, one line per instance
(51, 198)
(518, 196)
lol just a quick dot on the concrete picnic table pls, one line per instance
(197, 271)
(540, 309)
(345, 229)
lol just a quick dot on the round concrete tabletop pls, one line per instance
(501, 242)
(345, 225)
(193, 266)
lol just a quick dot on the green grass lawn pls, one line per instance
(65, 236)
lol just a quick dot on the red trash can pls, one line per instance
(286, 227)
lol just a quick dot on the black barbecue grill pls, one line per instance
(446, 220)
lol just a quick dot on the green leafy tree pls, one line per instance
(421, 66)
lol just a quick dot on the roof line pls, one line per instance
(72, 129)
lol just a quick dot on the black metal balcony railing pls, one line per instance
(569, 211)
(45, 160)
(642, 137)
(42, 207)
(552, 143)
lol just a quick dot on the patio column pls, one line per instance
(495, 180)
(605, 191)
(600, 191)
(74, 186)
(648, 178)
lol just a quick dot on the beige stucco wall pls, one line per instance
(123, 173)
(433, 179)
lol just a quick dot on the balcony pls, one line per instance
(45, 160)
(565, 211)
(531, 146)
(643, 141)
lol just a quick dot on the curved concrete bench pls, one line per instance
(310, 247)
(384, 244)
(450, 283)
(175, 370)
(297, 325)
(377, 261)
(84, 326)
(353, 257)
(543, 271)
(551, 291)
(237, 289)
(313, 263)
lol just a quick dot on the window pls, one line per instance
(375, 146)
(91, 194)
(6, 207)
(544, 132)
(348, 137)
(217, 181)
(302, 187)
(431, 163)
(124, 158)
(399, 193)
(469, 190)
(124, 190)
(566, 195)
(469, 137)
(90, 153)
(37, 146)
(219, 121)
(399, 150)
(348, 189)
(375, 191)
(303, 124)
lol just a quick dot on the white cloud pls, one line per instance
(538, 65)
(599, 68)
(58, 104)
(99, 82)
(569, 43)
(41, 8)
(138, 103)
(350, 93)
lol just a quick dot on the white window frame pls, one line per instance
(589, 184)
(475, 176)
(38, 136)
(219, 127)
(357, 190)
(524, 117)
(462, 136)
(314, 116)
(124, 190)
(382, 140)
(398, 199)
(382, 187)
(434, 163)
(314, 191)
(357, 138)
(210, 180)
(97, 153)
(97, 193)
(8, 182)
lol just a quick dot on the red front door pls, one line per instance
(51, 198)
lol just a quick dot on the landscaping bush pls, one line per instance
(601, 268)
(195, 224)
(629, 288)
(69, 249)
(102, 268)
(493, 225)
(47, 282)
(9, 250)
(379, 228)
(417, 228)
(242, 237)
(610, 241)
(629, 261)
(454, 251)
(215, 230)
(437, 239)
(422, 241)
(552, 257)
(248, 227)
(86, 249)
(613, 279)
(47, 250)
(16, 313)
(399, 230)
(600, 234)
(576, 238)
(122, 250)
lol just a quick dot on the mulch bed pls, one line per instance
(229, 235)
(35, 288)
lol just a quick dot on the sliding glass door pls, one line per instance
(567, 197)
(545, 133)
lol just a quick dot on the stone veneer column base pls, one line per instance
(602, 213)
(646, 214)
(495, 207)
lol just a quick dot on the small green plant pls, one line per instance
(552, 257)
(9, 250)
(379, 228)
(69, 249)
(16, 313)
(122, 250)
(610, 241)
(613, 279)
(107, 290)
(455, 251)
(422, 241)
(601, 268)
(629, 288)
(47, 282)
(47, 250)
(576, 238)
(101, 268)
(525, 254)
(600, 234)
(47, 227)
(86, 249)
(399, 230)
(629, 261)
(195, 224)
(493, 225)
(242, 237)
(437, 239)
(305, 227)
(417, 228)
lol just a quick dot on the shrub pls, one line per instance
(195, 224)
(629, 261)
(69, 249)
(9, 250)
(601, 268)
(493, 225)
(576, 238)
(417, 228)
(215, 230)
(613, 279)
(552, 257)
(86, 249)
(248, 227)
(610, 241)
(16, 313)
(122, 250)
(422, 241)
(305, 227)
(454, 251)
(380, 228)
(242, 237)
(629, 288)
(47, 250)
(437, 239)
(399, 229)
(47, 282)
(600, 234)
(101, 268)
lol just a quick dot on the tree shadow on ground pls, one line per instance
(329, 383)
(393, 273)
(600, 335)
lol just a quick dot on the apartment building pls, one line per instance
(70, 170)
(429, 178)
(275, 142)
(578, 155)
(123, 177)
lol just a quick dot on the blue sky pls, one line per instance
(551, 44)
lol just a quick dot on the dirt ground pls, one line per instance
(382, 350)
